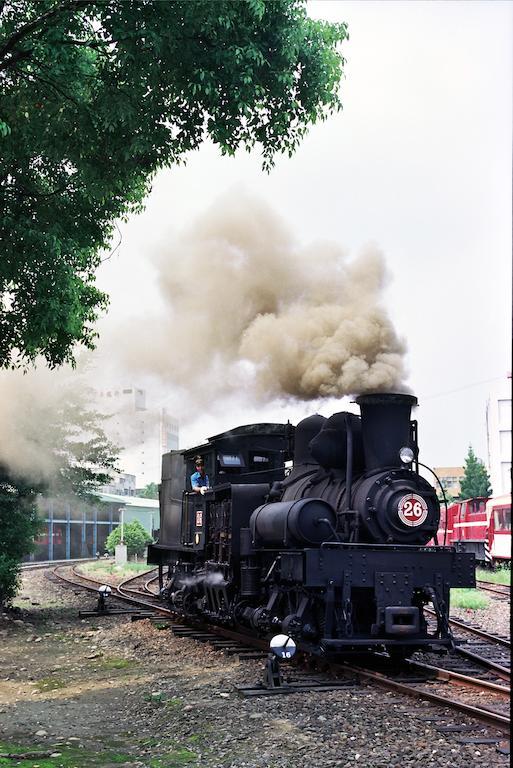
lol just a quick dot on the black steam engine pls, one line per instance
(319, 532)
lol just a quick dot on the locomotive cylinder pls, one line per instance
(300, 522)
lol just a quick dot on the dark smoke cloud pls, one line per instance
(246, 308)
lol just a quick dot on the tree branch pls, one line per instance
(27, 193)
(33, 75)
(27, 29)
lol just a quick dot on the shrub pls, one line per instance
(135, 537)
(19, 524)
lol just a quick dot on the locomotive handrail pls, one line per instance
(386, 547)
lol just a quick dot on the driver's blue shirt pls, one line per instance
(198, 480)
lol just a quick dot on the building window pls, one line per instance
(505, 413)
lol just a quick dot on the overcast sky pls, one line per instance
(419, 163)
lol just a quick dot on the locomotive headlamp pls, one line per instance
(406, 455)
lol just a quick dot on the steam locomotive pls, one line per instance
(317, 531)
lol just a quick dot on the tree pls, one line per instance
(19, 524)
(150, 491)
(449, 498)
(135, 537)
(82, 459)
(100, 94)
(476, 480)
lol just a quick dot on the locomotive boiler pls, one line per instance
(317, 531)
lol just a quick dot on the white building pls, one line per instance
(122, 485)
(142, 433)
(498, 428)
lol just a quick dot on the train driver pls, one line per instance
(199, 479)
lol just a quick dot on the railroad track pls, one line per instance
(50, 563)
(491, 651)
(487, 650)
(417, 678)
(502, 590)
(430, 684)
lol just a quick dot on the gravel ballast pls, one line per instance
(106, 691)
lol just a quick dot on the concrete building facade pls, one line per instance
(450, 478)
(143, 432)
(498, 428)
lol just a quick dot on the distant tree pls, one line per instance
(150, 491)
(86, 459)
(476, 480)
(448, 497)
(135, 537)
(19, 524)
(97, 95)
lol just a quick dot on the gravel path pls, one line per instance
(109, 692)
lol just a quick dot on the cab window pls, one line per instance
(259, 461)
(502, 519)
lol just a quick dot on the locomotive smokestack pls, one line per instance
(385, 427)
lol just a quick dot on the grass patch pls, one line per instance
(175, 758)
(468, 598)
(108, 567)
(113, 663)
(49, 684)
(499, 576)
(174, 703)
(68, 757)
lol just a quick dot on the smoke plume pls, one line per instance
(43, 413)
(247, 308)
(245, 311)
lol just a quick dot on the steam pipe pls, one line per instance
(349, 465)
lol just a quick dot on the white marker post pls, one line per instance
(121, 555)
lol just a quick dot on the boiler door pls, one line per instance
(397, 507)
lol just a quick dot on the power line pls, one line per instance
(460, 389)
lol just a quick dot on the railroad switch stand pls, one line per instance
(283, 647)
(272, 673)
(101, 605)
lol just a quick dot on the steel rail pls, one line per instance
(481, 633)
(93, 582)
(122, 586)
(147, 585)
(499, 670)
(457, 677)
(49, 563)
(474, 631)
(482, 714)
(490, 586)
(115, 591)
(490, 717)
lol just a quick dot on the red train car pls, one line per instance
(481, 526)
(498, 514)
(43, 538)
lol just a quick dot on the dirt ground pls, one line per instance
(108, 692)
